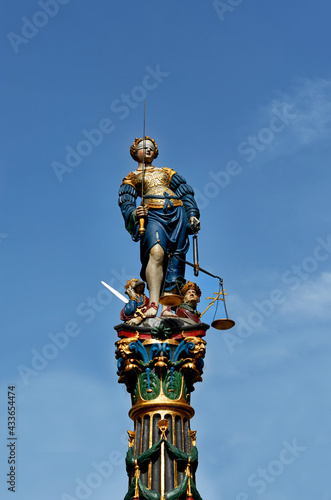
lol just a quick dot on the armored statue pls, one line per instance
(171, 214)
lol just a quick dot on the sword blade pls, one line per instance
(115, 292)
(144, 166)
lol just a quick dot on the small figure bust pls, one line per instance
(133, 312)
(191, 294)
(170, 213)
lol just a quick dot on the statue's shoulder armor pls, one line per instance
(130, 179)
(169, 172)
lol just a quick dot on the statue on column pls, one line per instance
(171, 214)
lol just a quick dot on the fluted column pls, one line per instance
(160, 366)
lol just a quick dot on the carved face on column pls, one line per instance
(123, 350)
(199, 349)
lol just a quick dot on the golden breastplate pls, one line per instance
(156, 184)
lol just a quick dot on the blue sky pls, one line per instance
(239, 101)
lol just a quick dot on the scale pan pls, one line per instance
(171, 300)
(223, 324)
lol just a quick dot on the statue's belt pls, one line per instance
(164, 201)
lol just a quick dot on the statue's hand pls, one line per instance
(141, 211)
(134, 321)
(195, 224)
(131, 293)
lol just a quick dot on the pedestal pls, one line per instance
(159, 363)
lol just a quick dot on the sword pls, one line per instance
(115, 292)
(141, 230)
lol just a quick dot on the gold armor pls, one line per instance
(156, 183)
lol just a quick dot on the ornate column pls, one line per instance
(159, 363)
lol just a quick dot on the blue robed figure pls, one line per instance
(170, 211)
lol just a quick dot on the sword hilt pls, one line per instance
(141, 229)
(142, 220)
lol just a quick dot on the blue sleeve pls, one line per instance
(127, 196)
(180, 187)
(130, 307)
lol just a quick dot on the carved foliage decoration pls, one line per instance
(145, 369)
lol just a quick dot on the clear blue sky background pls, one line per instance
(224, 81)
